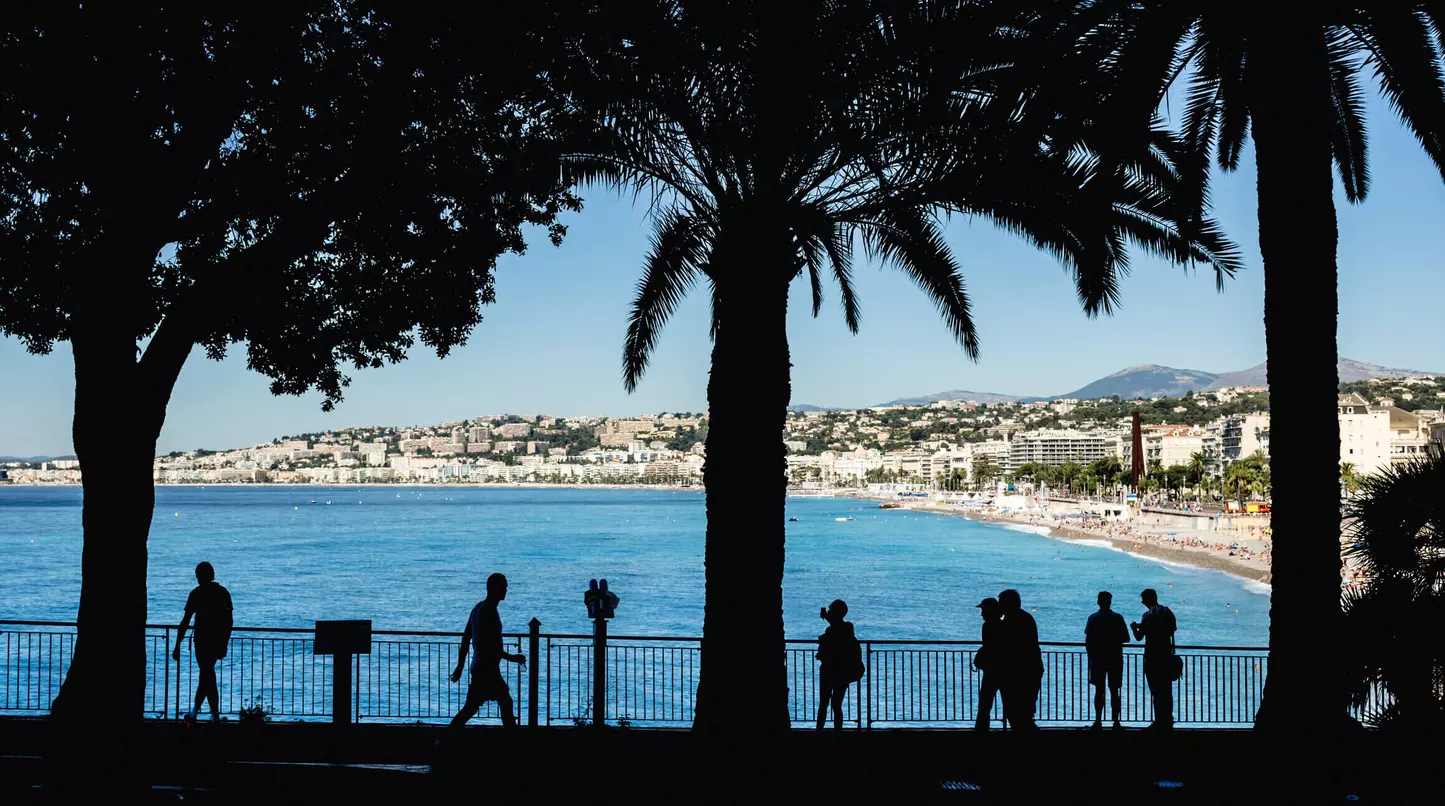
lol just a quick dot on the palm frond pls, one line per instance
(912, 242)
(1407, 64)
(673, 262)
(1347, 136)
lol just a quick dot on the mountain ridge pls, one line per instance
(1157, 380)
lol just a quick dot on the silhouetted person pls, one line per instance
(841, 660)
(1024, 662)
(211, 605)
(988, 659)
(1156, 629)
(1104, 638)
(484, 630)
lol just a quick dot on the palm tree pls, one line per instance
(770, 138)
(1198, 468)
(1396, 617)
(1287, 74)
(1349, 478)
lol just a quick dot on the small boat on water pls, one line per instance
(313, 500)
(890, 505)
(843, 520)
(790, 520)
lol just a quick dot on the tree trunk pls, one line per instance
(119, 408)
(743, 684)
(1304, 695)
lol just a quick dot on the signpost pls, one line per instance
(341, 640)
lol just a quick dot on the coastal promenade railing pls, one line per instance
(649, 680)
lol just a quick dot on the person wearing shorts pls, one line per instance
(210, 604)
(484, 631)
(1105, 635)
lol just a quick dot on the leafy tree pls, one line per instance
(771, 136)
(985, 472)
(1289, 76)
(324, 182)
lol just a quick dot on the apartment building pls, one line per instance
(1364, 434)
(1056, 447)
(1177, 447)
(1240, 435)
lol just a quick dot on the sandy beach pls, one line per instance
(1247, 557)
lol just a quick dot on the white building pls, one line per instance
(1364, 434)
(1177, 448)
(1240, 435)
(1058, 447)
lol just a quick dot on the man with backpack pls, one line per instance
(841, 658)
(211, 605)
(1156, 629)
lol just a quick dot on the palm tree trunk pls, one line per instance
(1290, 105)
(743, 685)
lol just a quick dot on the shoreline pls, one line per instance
(529, 485)
(1251, 569)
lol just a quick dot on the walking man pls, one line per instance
(1104, 638)
(1023, 664)
(210, 604)
(1156, 629)
(484, 629)
(988, 659)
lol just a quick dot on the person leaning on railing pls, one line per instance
(1156, 629)
(841, 659)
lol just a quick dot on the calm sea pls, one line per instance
(417, 558)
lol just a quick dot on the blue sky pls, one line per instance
(552, 341)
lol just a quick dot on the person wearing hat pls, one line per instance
(984, 660)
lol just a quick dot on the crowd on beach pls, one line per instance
(1246, 552)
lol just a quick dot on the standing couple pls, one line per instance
(1011, 661)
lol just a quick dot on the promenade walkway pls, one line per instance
(311, 763)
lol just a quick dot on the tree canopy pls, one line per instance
(326, 182)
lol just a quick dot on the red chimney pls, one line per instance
(1136, 470)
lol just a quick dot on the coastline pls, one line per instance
(1153, 542)
(1254, 571)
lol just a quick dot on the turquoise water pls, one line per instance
(417, 558)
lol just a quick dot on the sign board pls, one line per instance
(1131, 497)
(343, 637)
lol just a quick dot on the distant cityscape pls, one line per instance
(953, 444)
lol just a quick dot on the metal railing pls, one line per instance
(649, 680)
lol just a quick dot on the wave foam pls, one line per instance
(1097, 544)
(1028, 528)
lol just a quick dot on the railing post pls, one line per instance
(166, 686)
(178, 676)
(534, 627)
(599, 672)
(868, 677)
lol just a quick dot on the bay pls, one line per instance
(416, 558)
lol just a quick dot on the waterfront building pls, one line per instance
(1175, 446)
(1240, 435)
(1364, 434)
(1056, 447)
(1409, 436)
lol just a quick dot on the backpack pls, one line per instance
(853, 666)
(1176, 663)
